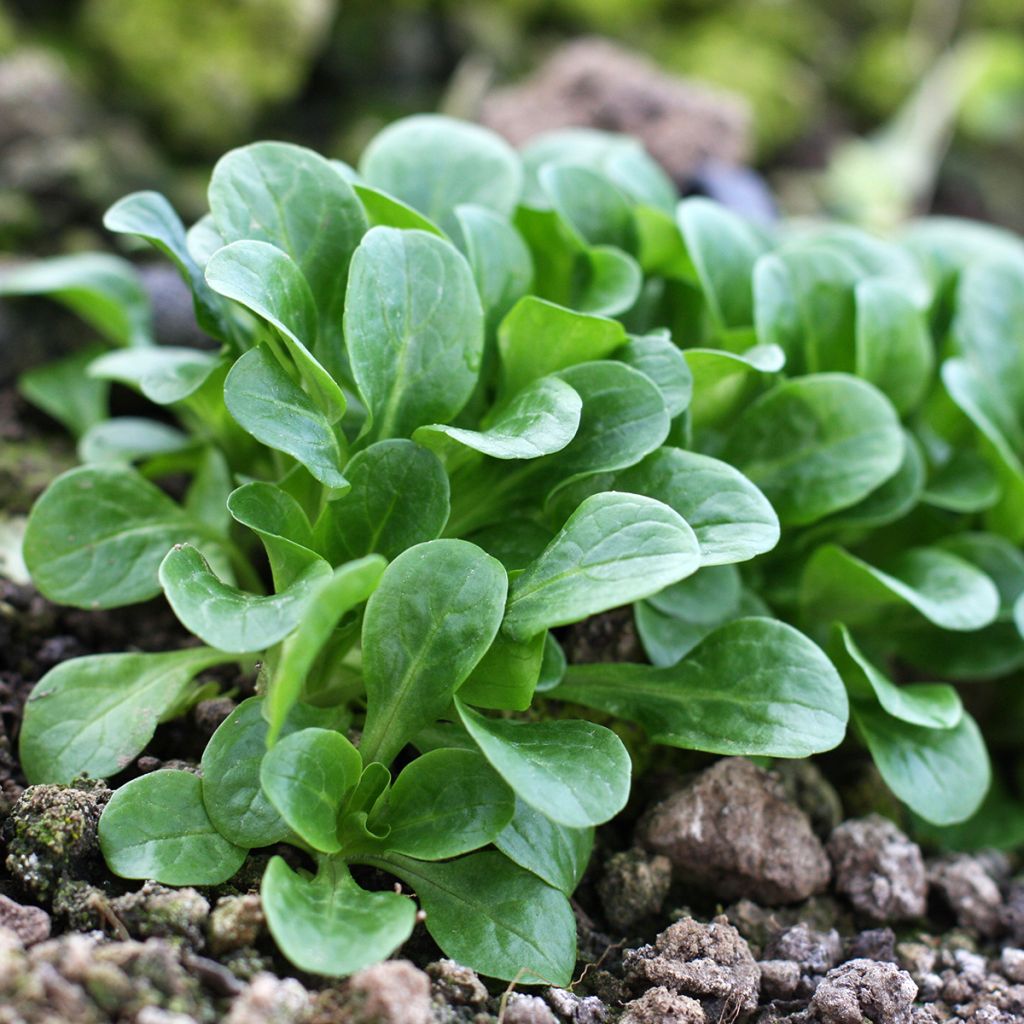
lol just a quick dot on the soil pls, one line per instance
(724, 893)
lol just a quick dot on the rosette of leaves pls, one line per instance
(446, 413)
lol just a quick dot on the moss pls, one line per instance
(251, 53)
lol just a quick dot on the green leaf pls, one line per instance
(594, 208)
(724, 250)
(574, 772)
(431, 619)
(499, 258)
(64, 390)
(268, 282)
(383, 210)
(328, 925)
(96, 537)
(305, 776)
(436, 163)
(615, 548)
(150, 216)
(269, 405)
(709, 596)
(933, 705)
(156, 827)
(556, 853)
(105, 291)
(753, 686)
(940, 774)
(731, 518)
(350, 585)
(444, 804)
(506, 677)
(127, 439)
(658, 357)
(399, 496)
(95, 715)
(513, 542)
(295, 199)
(946, 590)
(540, 420)
(494, 916)
(964, 484)
(817, 444)
(231, 762)
(414, 326)
(537, 338)
(724, 382)
(228, 618)
(165, 375)
(612, 281)
(894, 346)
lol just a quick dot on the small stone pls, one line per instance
(917, 957)
(156, 910)
(660, 1006)
(709, 962)
(816, 952)
(52, 832)
(734, 832)
(523, 1009)
(156, 1015)
(873, 944)
(575, 1009)
(878, 869)
(634, 886)
(458, 985)
(236, 922)
(1011, 963)
(392, 992)
(864, 989)
(970, 891)
(30, 924)
(779, 978)
(269, 1000)
(209, 714)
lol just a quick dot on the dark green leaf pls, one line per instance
(657, 356)
(553, 852)
(64, 390)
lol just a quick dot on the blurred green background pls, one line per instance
(868, 109)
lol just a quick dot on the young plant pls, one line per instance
(463, 398)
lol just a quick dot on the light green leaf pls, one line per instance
(165, 375)
(127, 439)
(657, 356)
(105, 291)
(399, 496)
(270, 284)
(946, 590)
(414, 326)
(724, 382)
(269, 405)
(615, 548)
(556, 853)
(507, 676)
(383, 210)
(817, 444)
(156, 827)
(64, 390)
(540, 420)
(328, 925)
(95, 715)
(593, 207)
(576, 773)
(753, 686)
(96, 537)
(443, 804)
(228, 618)
(436, 163)
(732, 519)
(305, 776)
(433, 616)
(493, 916)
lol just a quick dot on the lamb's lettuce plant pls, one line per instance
(460, 398)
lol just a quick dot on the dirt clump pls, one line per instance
(30, 924)
(156, 910)
(814, 954)
(455, 984)
(662, 1006)
(879, 870)
(634, 886)
(524, 1009)
(269, 1000)
(51, 833)
(968, 884)
(733, 831)
(862, 990)
(576, 1009)
(812, 793)
(235, 923)
(392, 992)
(711, 963)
